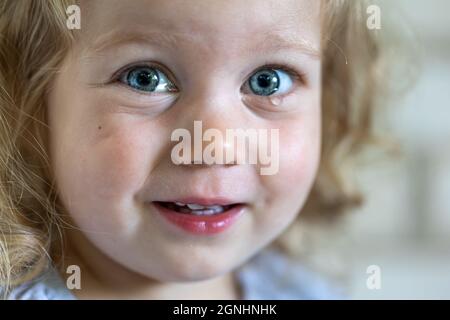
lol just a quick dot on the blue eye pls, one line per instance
(148, 79)
(267, 82)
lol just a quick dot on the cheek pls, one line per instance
(299, 159)
(117, 163)
(286, 192)
(99, 176)
(108, 167)
(299, 155)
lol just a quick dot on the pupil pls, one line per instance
(264, 80)
(144, 78)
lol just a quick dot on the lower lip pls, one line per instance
(202, 225)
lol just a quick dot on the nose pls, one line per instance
(210, 120)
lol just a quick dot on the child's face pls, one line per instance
(111, 144)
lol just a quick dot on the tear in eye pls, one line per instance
(267, 82)
(147, 79)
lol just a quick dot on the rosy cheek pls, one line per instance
(115, 163)
(298, 161)
(102, 175)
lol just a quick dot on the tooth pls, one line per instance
(194, 206)
(203, 212)
(181, 204)
(216, 207)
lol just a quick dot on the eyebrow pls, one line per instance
(277, 42)
(160, 39)
(270, 42)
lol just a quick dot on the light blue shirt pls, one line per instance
(268, 275)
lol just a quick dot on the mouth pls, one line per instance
(195, 208)
(200, 217)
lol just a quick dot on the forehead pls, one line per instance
(215, 22)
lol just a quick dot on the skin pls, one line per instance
(110, 145)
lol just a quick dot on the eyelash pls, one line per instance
(118, 74)
(291, 71)
(297, 76)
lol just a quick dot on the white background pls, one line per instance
(405, 226)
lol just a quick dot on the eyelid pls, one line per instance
(298, 77)
(292, 71)
(117, 75)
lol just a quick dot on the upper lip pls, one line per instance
(221, 201)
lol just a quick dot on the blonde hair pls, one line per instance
(34, 40)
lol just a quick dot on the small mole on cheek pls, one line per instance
(99, 127)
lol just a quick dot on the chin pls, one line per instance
(188, 272)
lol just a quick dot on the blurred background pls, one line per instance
(404, 228)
